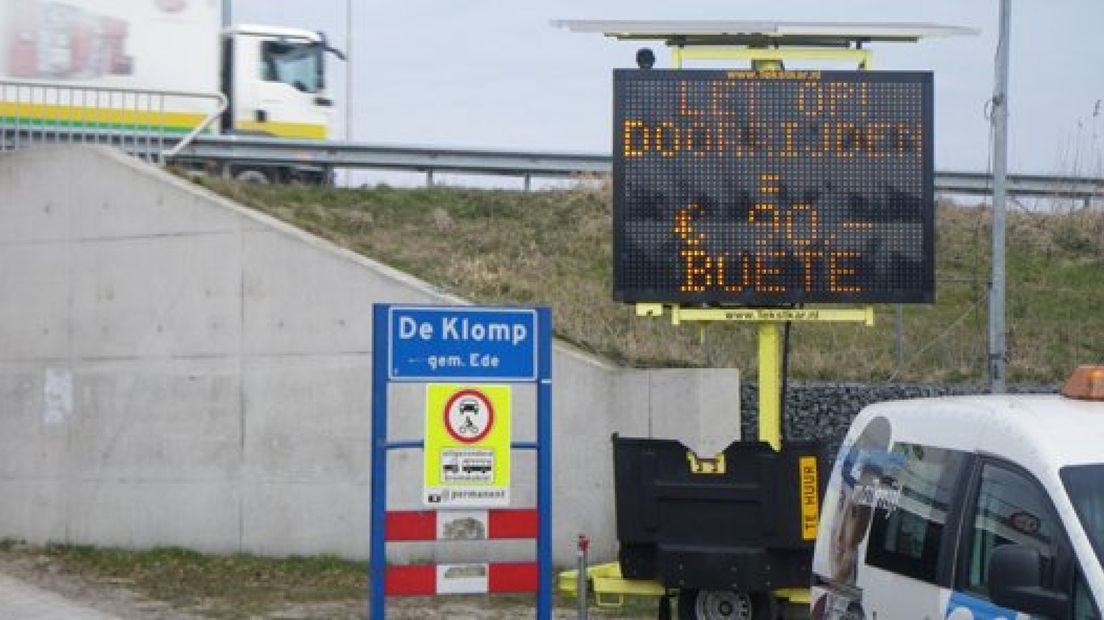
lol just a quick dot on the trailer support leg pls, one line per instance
(664, 607)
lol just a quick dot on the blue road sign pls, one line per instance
(506, 344)
(435, 344)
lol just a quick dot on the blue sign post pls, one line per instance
(433, 344)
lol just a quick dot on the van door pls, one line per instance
(1008, 505)
(886, 546)
(910, 554)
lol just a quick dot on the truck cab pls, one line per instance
(136, 74)
(968, 507)
(275, 81)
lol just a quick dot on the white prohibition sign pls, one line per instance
(469, 416)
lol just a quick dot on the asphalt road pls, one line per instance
(19, 599)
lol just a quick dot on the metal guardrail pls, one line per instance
(140, 122)
(267, 151)
(245, 150)
(1030, 185)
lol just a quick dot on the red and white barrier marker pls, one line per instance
(433, 579)
(461, 525)
(458, 525)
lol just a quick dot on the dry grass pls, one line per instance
(553, 248)
(240, 587)
(224, 587)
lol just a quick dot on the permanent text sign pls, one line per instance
(467, 446)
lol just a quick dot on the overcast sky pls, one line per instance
(495, 74)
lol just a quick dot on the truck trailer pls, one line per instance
(156, 69)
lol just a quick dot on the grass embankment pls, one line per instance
(553, 247)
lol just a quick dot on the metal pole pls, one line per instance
(227, 13)
(377, 551)
(898, 337)
(348, 70)
(997, 351)
(581, 580)
(544, 464)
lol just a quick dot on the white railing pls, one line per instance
(151, 124)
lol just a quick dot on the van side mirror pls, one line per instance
(1015, 582)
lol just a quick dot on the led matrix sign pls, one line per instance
(766, 188)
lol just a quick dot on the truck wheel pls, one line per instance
(722, 605)
(252, 175)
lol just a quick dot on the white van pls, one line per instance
(979, 507)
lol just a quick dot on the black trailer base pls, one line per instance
(745, 521)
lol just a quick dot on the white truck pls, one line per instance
(72, 66)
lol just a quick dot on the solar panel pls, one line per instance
(735, 32)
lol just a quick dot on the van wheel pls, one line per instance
(721, 605)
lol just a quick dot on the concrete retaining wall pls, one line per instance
(178, 370)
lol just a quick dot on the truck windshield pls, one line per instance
(297, 64)
(1085, 486)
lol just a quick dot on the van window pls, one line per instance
(907, 530)
(1010, 508)
(1083, 606)
(1085, 487)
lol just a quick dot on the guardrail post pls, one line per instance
(429, 178)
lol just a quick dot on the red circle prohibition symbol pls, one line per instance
(482, 398)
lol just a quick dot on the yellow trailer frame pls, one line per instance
(609, 586)
(767, 45)
(770, 322)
